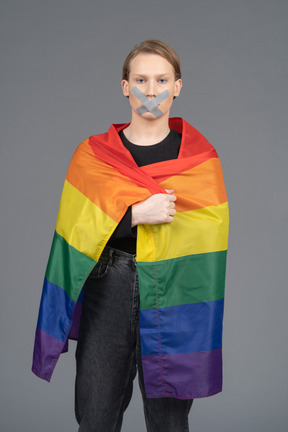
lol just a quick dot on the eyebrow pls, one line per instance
(157, 76)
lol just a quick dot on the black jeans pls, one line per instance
(108, 353)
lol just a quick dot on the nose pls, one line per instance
(150, 90)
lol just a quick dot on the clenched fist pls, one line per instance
(157, 209)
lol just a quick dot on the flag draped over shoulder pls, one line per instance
(181, 265)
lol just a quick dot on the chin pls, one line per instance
(150, 116)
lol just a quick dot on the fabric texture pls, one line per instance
(124, 237)
(108, 354)
(181, 265)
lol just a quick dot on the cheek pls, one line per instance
(168, 102)
(133, 100)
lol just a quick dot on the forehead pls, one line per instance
(150, 64)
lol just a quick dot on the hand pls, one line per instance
(157, 209)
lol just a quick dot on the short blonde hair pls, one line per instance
(153, 46)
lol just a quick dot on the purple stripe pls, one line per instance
(183, 376)
(47, 350)
(73, 334)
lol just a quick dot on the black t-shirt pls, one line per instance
(124, 236)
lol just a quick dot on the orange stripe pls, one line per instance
(111, 191)
(160, 171)
(200, 186)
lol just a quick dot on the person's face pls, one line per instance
(151, 74)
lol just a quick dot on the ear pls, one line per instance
(125, 87)
(177, 87)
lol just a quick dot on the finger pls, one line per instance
(170, 219)
(172, 197)
(169, 191)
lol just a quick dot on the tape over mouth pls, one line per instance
(150, 105)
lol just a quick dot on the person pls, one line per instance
(138, 260)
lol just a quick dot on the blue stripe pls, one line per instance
(55, 312)
(183, 329)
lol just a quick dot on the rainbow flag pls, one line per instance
(181, 265)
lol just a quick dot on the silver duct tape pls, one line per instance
(150, 105)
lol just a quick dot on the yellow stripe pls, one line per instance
(192, 232)
(82, 223)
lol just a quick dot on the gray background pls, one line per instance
(60, 72)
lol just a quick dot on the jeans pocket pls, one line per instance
(100, 270)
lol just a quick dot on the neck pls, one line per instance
(143, 131)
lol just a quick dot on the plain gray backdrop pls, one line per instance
(61, 67)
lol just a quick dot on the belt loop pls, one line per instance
(111, 251)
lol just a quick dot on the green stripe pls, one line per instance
(190, 279)
(67, 267)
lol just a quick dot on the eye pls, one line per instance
(162, 81)
(140, 80)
